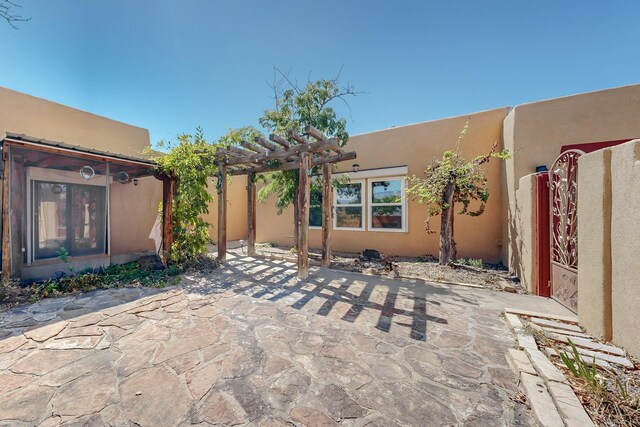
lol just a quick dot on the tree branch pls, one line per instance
(8, 14)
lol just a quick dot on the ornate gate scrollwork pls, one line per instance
(563, 186)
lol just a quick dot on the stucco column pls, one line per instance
(594, 242)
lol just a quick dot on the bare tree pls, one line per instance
(7, 11)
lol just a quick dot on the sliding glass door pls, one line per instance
(69, 216)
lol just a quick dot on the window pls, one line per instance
(72, 216)
(387, 205)
(348, 206)
(315, 206)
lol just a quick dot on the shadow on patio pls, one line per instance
(396, 302)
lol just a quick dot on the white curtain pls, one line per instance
(47, 221)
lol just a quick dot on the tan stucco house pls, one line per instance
(78, 180)
(602, 124)
(74, 184)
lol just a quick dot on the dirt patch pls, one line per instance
(145, 272)
(12, 294)
(610, 395)
(426, 268)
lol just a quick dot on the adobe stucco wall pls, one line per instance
(609, 244)
(413, 146)
(535, 132)
(525, 218)
(625, 245)
(594, 242)
(21, 113)
(236, 209)
(133, 208)
(133, 212)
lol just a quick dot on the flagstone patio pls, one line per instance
(249, 344)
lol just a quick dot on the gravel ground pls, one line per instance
(492, 277)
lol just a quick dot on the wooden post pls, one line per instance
(108, 205)
(251, 211)
(168, 190)
(303, 216)
(222, 213)
(327, 196)
(296, 215)
(6, 232)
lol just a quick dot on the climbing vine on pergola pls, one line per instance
(278, 154)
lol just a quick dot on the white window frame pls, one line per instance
(361, 205)
(403, 204)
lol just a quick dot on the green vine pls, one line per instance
(191, 161)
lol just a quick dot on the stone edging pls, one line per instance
(552, 399)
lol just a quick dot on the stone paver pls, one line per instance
(249, 344)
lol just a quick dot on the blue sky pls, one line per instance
(170, 66)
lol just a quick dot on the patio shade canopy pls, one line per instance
(75, 150)
(279, 154)
(41, 180)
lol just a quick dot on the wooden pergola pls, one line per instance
(279, 154)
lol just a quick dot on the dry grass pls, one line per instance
(607, 404)
(613, 399)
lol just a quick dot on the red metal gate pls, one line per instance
(563, 202)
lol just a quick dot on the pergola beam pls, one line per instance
(252, 147)
(310, 130)
(283, 154)
(239, 151)
(299, 138)
(279, 140)
(298, 152)
(266, 144)
(317, 161)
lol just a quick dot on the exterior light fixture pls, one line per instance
(356, 167)
(87, 172)
(135, 181)
(122, 177)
